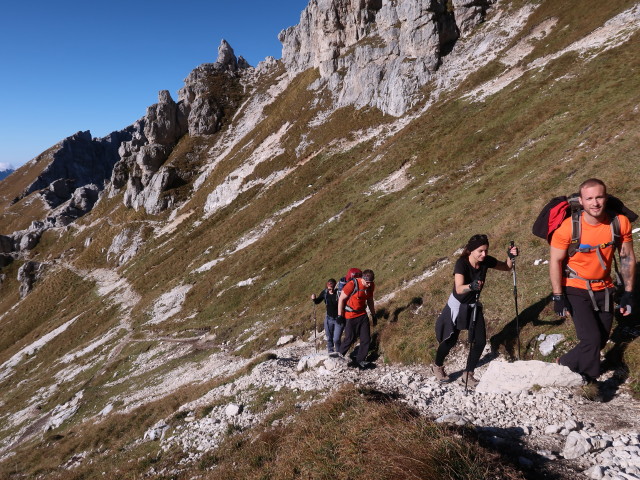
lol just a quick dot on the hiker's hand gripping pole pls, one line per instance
(515, 293)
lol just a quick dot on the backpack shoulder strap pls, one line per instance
(576, 225)
(616, 238)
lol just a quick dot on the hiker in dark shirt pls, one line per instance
(332, 329)
(469, 276)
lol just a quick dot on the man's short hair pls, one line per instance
(592, 182)
(368, 275)
(332, 280)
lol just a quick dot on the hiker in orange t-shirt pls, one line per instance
(356, 296)
(582, 283)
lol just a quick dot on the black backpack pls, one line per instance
(559, 208)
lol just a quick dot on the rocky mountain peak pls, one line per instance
(226, 57)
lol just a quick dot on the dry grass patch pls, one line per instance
(357, 434)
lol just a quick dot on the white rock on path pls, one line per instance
(575, 446)
(232, 410)
(284, 340)
(505, 377)
(312, 361)
(550, 342)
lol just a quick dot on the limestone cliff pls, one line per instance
(375, 53)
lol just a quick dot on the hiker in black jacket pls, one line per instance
(332, 329)
(463, 310)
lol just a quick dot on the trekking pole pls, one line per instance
(472, 332)
(515, 296)
(315, 328)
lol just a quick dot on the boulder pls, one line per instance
(311, 361)
(156, 432)
(233, 410)
(27, 275)
(575, 446)
(28, 240)
(285, 339)
(549, 342)
(504, 377)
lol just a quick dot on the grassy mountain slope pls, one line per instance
(319, 200)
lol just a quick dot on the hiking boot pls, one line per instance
(440, 374)
(468, 379)
(363, 365)
(592, 392)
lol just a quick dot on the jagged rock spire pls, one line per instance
(226, 56)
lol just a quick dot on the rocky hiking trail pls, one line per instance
(550, 431)
(532, 412)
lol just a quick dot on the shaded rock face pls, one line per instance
(80, 160)
(6, 244)
(209, 95)
(142, 157)
(469, 13)
(374, 53)
(70, 185)
(27, 276)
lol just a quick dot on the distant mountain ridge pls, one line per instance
(5, 173)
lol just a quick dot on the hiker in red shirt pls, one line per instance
(582, 283)
(356, 296)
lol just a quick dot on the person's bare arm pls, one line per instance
(557, 257)
(627, 270)
(341, 302)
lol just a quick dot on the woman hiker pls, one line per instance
(469, 275)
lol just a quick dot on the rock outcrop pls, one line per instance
(374, 53)
(69, 186)
(79, 160)
(28, 273)
(210, 94)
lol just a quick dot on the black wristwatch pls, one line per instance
(556, 298)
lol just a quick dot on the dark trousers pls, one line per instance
(475, 352)
(592, 330)
(354, 328)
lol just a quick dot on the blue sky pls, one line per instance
(69, 65)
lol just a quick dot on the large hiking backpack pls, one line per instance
(559, 208)
(356, 289)
(352, 275)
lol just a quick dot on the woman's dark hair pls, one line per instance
(474, 242)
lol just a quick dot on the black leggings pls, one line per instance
(475, 352)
